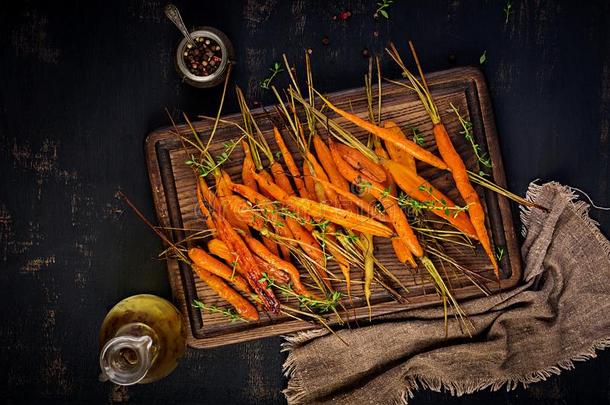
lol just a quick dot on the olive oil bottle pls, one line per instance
(141, 339)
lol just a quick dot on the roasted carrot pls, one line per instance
(219, 248)
(450, 155)
(358, 202)
(204, 210)
(222, 189)
(311, 247)
(392, 210)
(310, 184)
(468, 193)
(421, 190)
(233, 212)
(260, 249)
(341, 260)
(266, 205)
(280, 178)
(389, 183)
(290, 164)
(247, 167)
(361, 163)
(399, 155)
(338, 216)
(333, 174)
(207, 262)
(390, 136)
(241, 305)
(319, 173)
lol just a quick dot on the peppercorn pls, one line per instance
(204, 58)
(366, 53)
(325, 41)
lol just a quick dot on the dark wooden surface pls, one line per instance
(82, 83)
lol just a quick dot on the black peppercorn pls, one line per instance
(204, 58)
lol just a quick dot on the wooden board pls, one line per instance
(173, 185)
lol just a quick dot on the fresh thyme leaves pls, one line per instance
(322, 306)
(508, 10)
(277, 68)
(500, 252)
(468, 135)
(483, 57)
(416, 207)
(207, 167)
(417, 137)
(382, 10)
(229, 313)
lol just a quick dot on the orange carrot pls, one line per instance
(397, 154)
(361, 163)
(418, 188)
(260, 249)
(390, 136)
(357, 202)
(241, 305)
(392, 210)
(338, 216)
(311, 247)
(333, 174)
(319, 173)
(219, 248)
(280, 178)
(468, 193)
(247, 167)
(292, 167)
(313, 192)
(202, 259)
(204, 210)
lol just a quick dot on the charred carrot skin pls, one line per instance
(468, 193)
(310, 185)
(418, 188)
(241, 305)
(390, 136)
(311, 247)
(204, 260)
(280, 178)
(278, 263)
(219, 248)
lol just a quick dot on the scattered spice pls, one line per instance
(325, 41)
(366, 53)
(375, 33)
(204, 58)
(345, 15)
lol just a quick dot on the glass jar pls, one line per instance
(141, 339)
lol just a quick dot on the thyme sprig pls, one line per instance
(229, 313)
(469, 136)
(508, 10)
(312, 304)
(208, 166)
(275, 69)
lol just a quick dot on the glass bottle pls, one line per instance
(141, 340)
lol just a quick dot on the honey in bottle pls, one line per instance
(141, 340)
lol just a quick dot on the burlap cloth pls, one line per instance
(560, 314)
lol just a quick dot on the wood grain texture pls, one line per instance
(83, 83)
(173, 184)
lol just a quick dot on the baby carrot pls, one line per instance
(468, 193)
(333, 174)
(290, 164)
(318, 172)
(397, 154)
(315, 209)
(280, 178)
(311, 247)
(310, 185)
(361, 163)
(260, 249)
(390, 136)
(241, 305)
(418, 188)
(202, 259)
(247, 167)
(392, 210)
(219, 248)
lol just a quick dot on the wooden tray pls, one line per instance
(173, 185)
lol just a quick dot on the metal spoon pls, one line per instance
(174, 16)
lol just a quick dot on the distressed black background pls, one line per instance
(83, 82)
